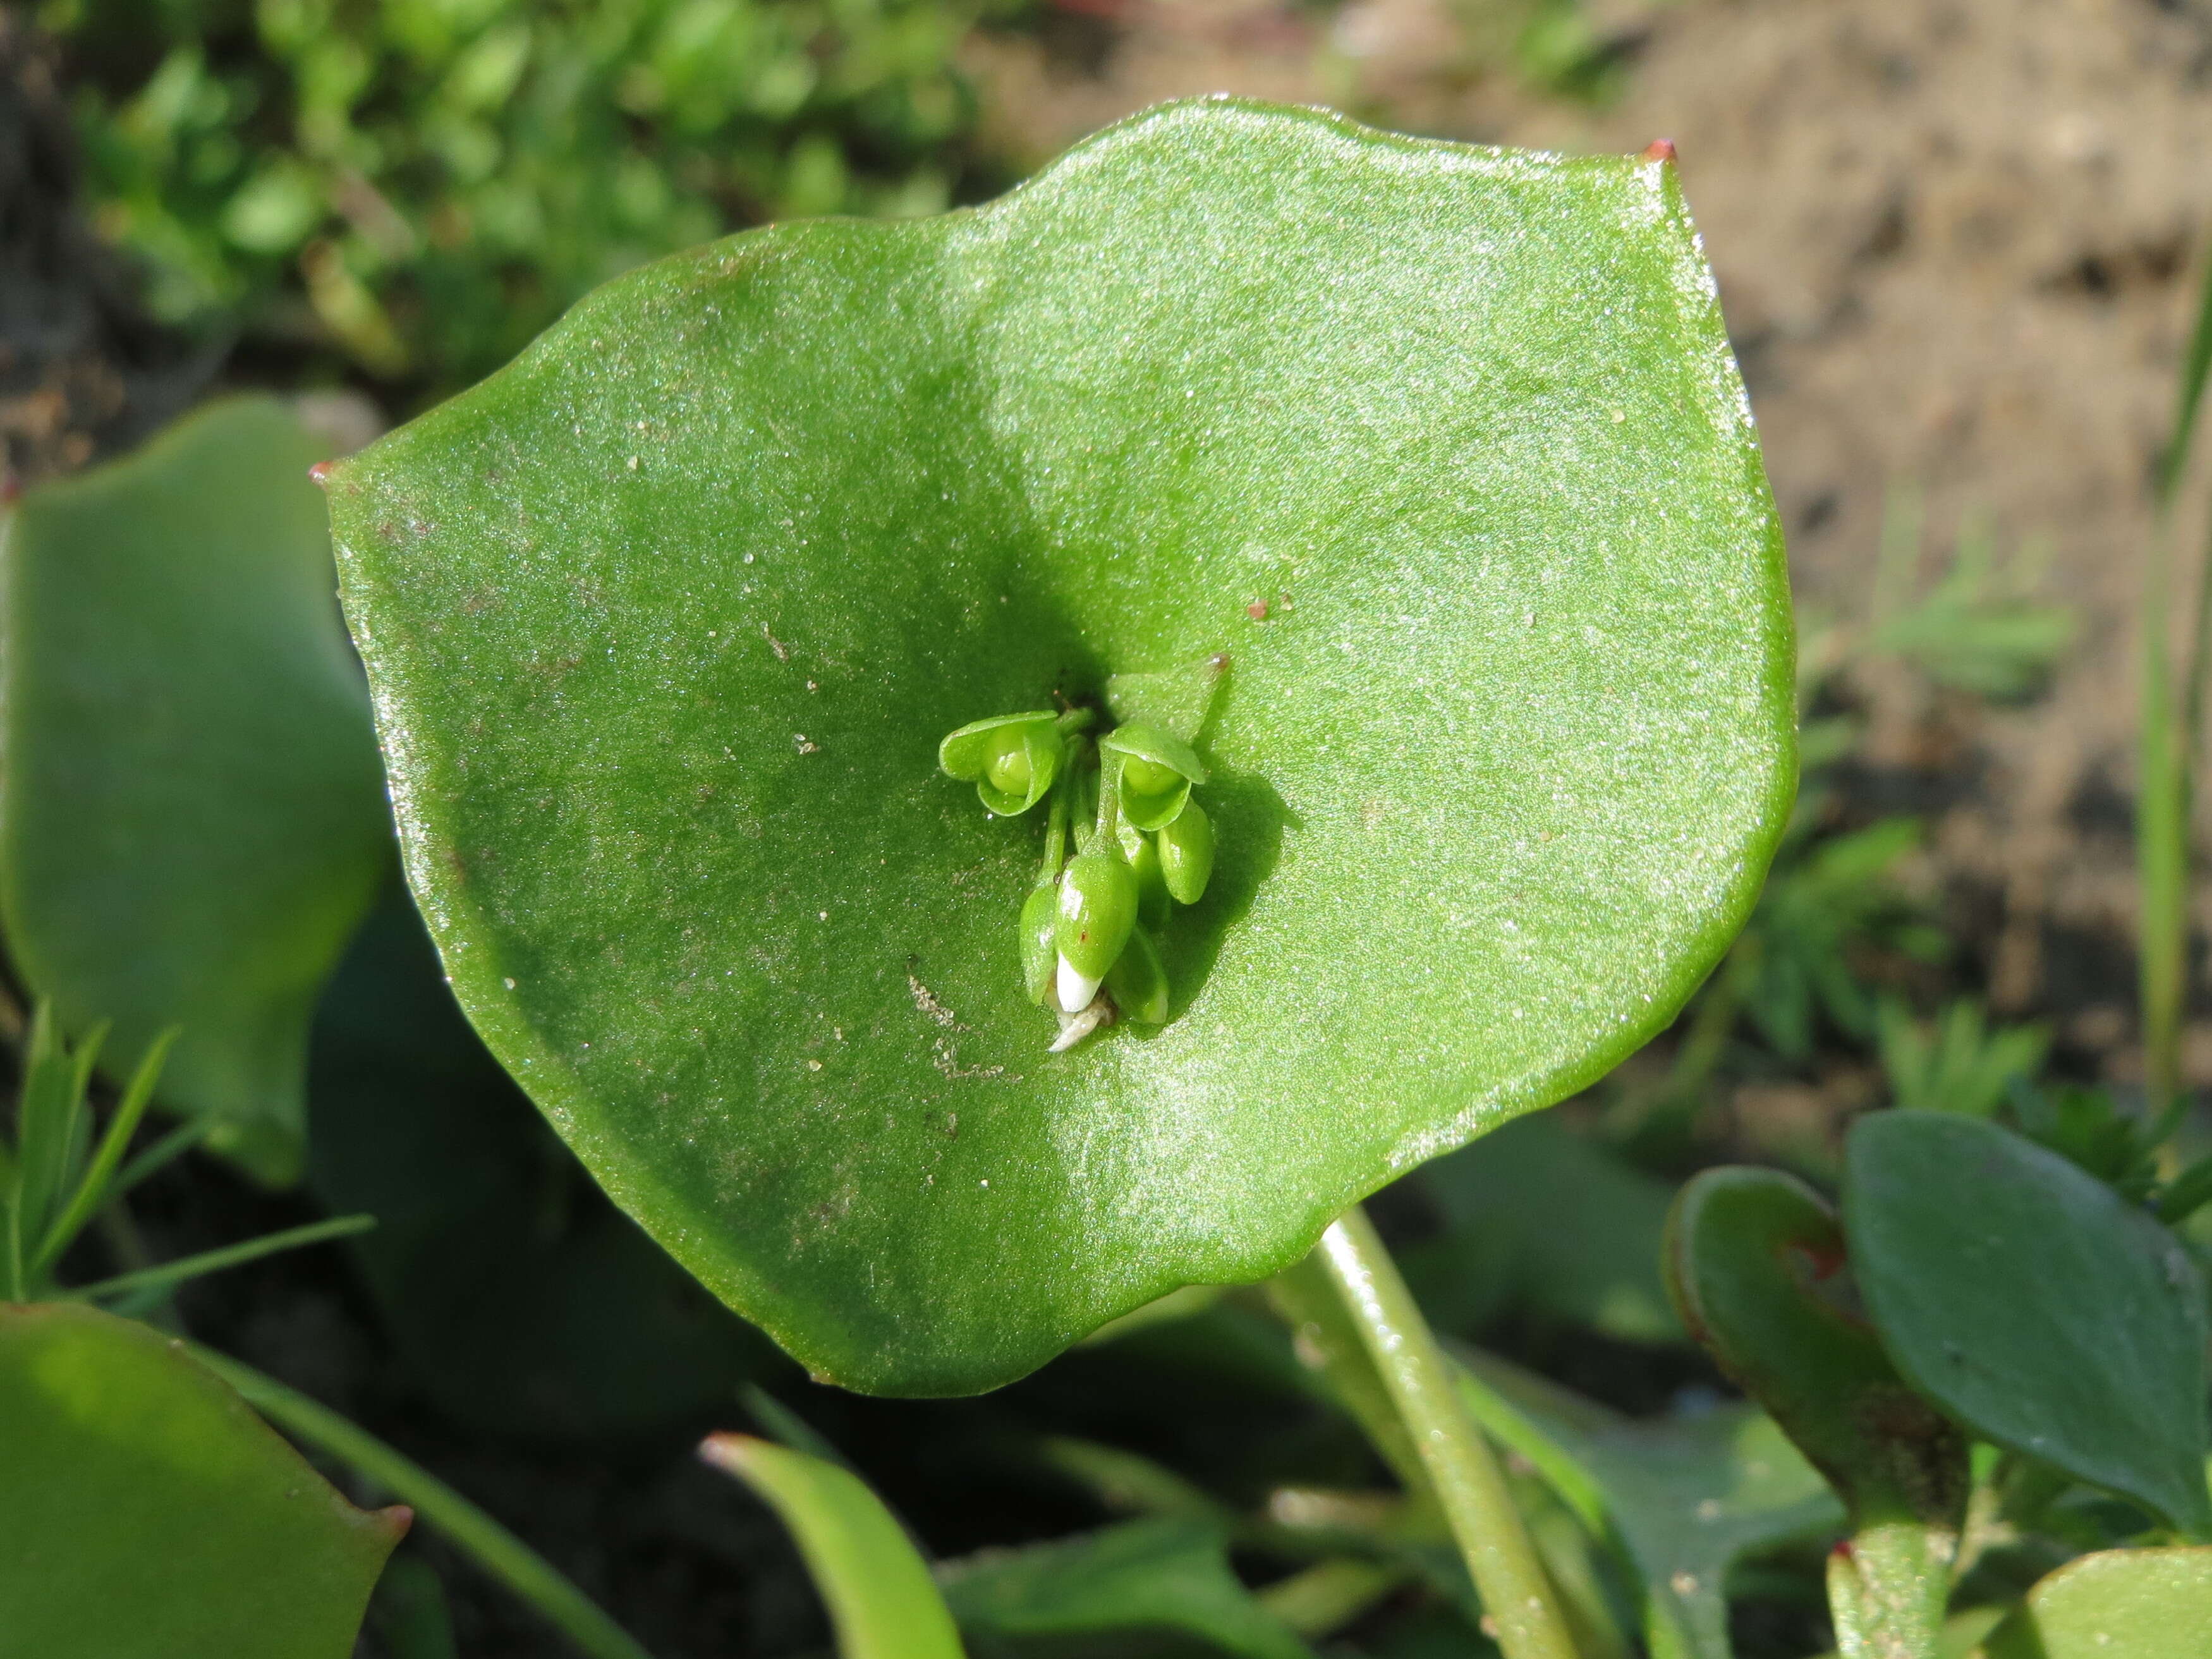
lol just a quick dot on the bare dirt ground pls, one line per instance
(1957, 245)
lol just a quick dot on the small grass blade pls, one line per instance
(231, 1255)
(170, 1146)
(92, 1190)
(45, 1127)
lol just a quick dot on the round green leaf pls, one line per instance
(192, 822)
(146, 1512)
(1490, 797)
(2032, 1302)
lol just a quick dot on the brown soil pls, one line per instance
(1958, 247)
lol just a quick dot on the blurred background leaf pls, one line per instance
(149, 1513)
(194, 818)
(413, 188)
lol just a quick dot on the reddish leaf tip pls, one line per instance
(320, 473)
(726, 1450)
(1659, 149)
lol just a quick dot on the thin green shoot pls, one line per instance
(164, 1152)
(2170, 724)
(157, 1280)
(94, 1189)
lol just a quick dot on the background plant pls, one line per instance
(417, 187)
(1200, 1416)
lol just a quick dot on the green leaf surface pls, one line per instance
(146, 1513)
(1540, 1219)
(2031, 1302)
(192, 820)
(881, 1599)
(2144, 1604)
(665, 622)
(1145, 1579)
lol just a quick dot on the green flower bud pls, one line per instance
(1156, 772)
(1139, 982)
(1012, 759)
(1187, 853)
(1040, 954)
(1153, 903)
(1098, 909)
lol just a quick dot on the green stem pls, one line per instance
(496, 1550)
(1055, 820)
(2161, 847)
(1468, 1483)
(1888, 1590)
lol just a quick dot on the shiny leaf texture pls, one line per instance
(881, 1599)
(665, 621)
(146, 1512)
(192, 820)
(2032, 1303)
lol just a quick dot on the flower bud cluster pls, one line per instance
(1125, 843)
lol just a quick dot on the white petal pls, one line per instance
(1075, 989)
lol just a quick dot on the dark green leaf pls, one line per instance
(1146, 1579)
(146, 1513)
(525, 1302)
(666, 621)
(1756, 1263)
(1541, 1219)
(2029, 1300)
(2142, 1604)
(881, 1600)
(194, 819)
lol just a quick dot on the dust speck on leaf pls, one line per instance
(926, 1000)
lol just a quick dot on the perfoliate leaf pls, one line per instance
(667, 620)
(146, 1512)
(191, 820)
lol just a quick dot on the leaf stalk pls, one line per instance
(1465, 1475)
